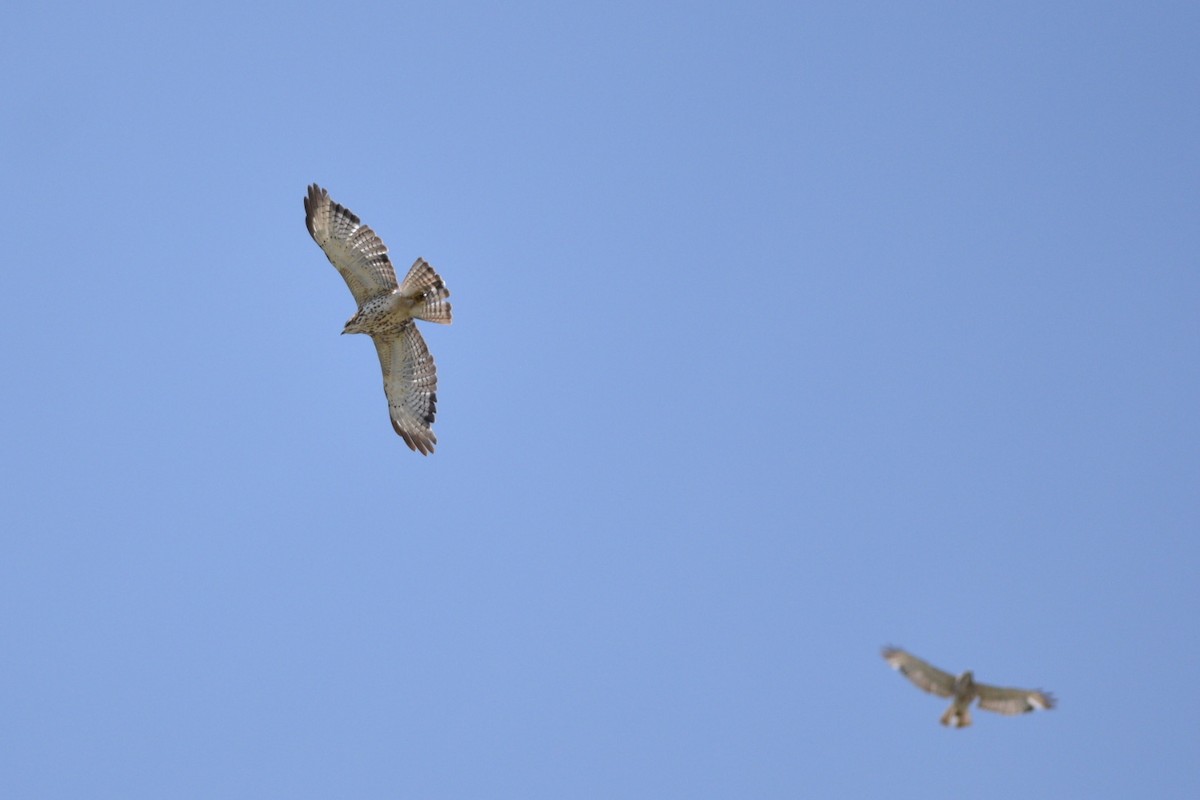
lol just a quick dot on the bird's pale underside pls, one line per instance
(386, 312)
(965, 690)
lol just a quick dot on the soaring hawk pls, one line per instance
(965, 690)
(386, 312)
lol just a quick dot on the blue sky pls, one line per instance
(782, 332)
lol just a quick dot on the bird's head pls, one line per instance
(354, 325)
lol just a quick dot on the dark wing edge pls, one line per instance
(316, 199)
(923, 674)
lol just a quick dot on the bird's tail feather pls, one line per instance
(957, 718)
(429, 291)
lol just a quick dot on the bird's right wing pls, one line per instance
(923, 674)
(410, 383)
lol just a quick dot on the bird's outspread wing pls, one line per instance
(410, 382)
(923, 674)
(352, 247)
(1012, 701)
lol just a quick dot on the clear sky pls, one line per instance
(782, 332)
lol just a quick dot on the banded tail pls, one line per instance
(957, 717)
(428, 291)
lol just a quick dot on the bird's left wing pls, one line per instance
(352, 247)
(1012, 701)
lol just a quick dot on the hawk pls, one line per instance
(965, 690)
(386, 312)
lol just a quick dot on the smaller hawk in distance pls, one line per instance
(386, 312)
(965, 690)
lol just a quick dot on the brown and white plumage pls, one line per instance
(386, 312)
(965, 690)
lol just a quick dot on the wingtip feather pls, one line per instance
(422, 443)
